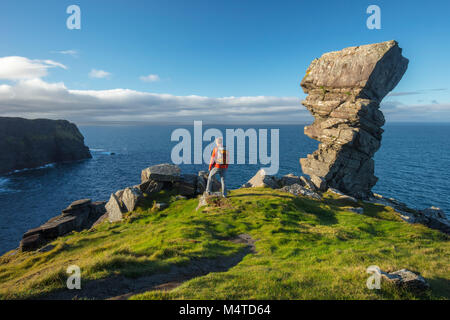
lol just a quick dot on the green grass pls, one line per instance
(306, 249)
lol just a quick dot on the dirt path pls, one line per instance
(120, 288)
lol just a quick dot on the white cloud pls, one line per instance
(99, 74)
(150, 78)
(20, 68)
(73, 53)
(37, 98)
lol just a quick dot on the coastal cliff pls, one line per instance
(33, 143)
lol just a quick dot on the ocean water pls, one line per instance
(412, 165)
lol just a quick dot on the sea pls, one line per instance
(412, 165)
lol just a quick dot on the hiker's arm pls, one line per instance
(213, 156)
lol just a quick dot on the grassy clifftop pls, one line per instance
(304, 249)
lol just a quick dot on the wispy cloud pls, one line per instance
(410, 93)
(19, 68)
(73, 53)
(150, 78)
(99, 74)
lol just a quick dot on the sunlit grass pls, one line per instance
(306, 249)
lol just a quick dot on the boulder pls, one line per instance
(407, 279)
(297, 190)
(207, 199)
(289, 180)
(114, 209)
(319, 183)
(261, 179)
(162, 173)
(187, 186)
(79, 215)
(434, 218)
(202, 180)
(130, 198)
(358, 210)
(307, 183)
(344, 90)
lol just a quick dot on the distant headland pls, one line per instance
(33, 143)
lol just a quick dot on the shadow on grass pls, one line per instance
(161, 276)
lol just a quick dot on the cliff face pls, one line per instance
(344, 90)
(33, 143)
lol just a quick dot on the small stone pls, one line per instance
(358, 210)
(347, 198)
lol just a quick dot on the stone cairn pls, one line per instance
(344, 90)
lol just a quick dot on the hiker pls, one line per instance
(219, 165)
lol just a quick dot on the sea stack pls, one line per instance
(344, 90)
(33, 143)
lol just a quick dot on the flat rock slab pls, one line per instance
(161, 172)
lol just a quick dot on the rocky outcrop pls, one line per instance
(262, 179)
(79, 215)
(153, 180)
(432, 217)
(407, 280)
(34, 143)
(344, 90)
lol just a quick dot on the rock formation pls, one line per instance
(79, 215)
(344, 90)
(34, 143)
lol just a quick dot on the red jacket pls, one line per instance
(212, 162)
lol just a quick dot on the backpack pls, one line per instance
(221, 156)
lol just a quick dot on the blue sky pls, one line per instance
(214, 50)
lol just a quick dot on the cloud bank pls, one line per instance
(25, 94)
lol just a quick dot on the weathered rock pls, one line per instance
(202, 181)
(187, 186)
(34, 143)
(347, 198)
(344, 90)
(433, 217)
(162, 173)
(161, 205)
(261, 179)
(307, 183)
(289, 180)
(318, 182)
(297, 190)
(336, 191)
(79, 215)
(114, 209)
(358, 210)
(130, 198)
(206, 199)
(407, 279)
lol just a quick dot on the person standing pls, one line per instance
(218, 165)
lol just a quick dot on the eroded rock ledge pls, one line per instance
(344, 90)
